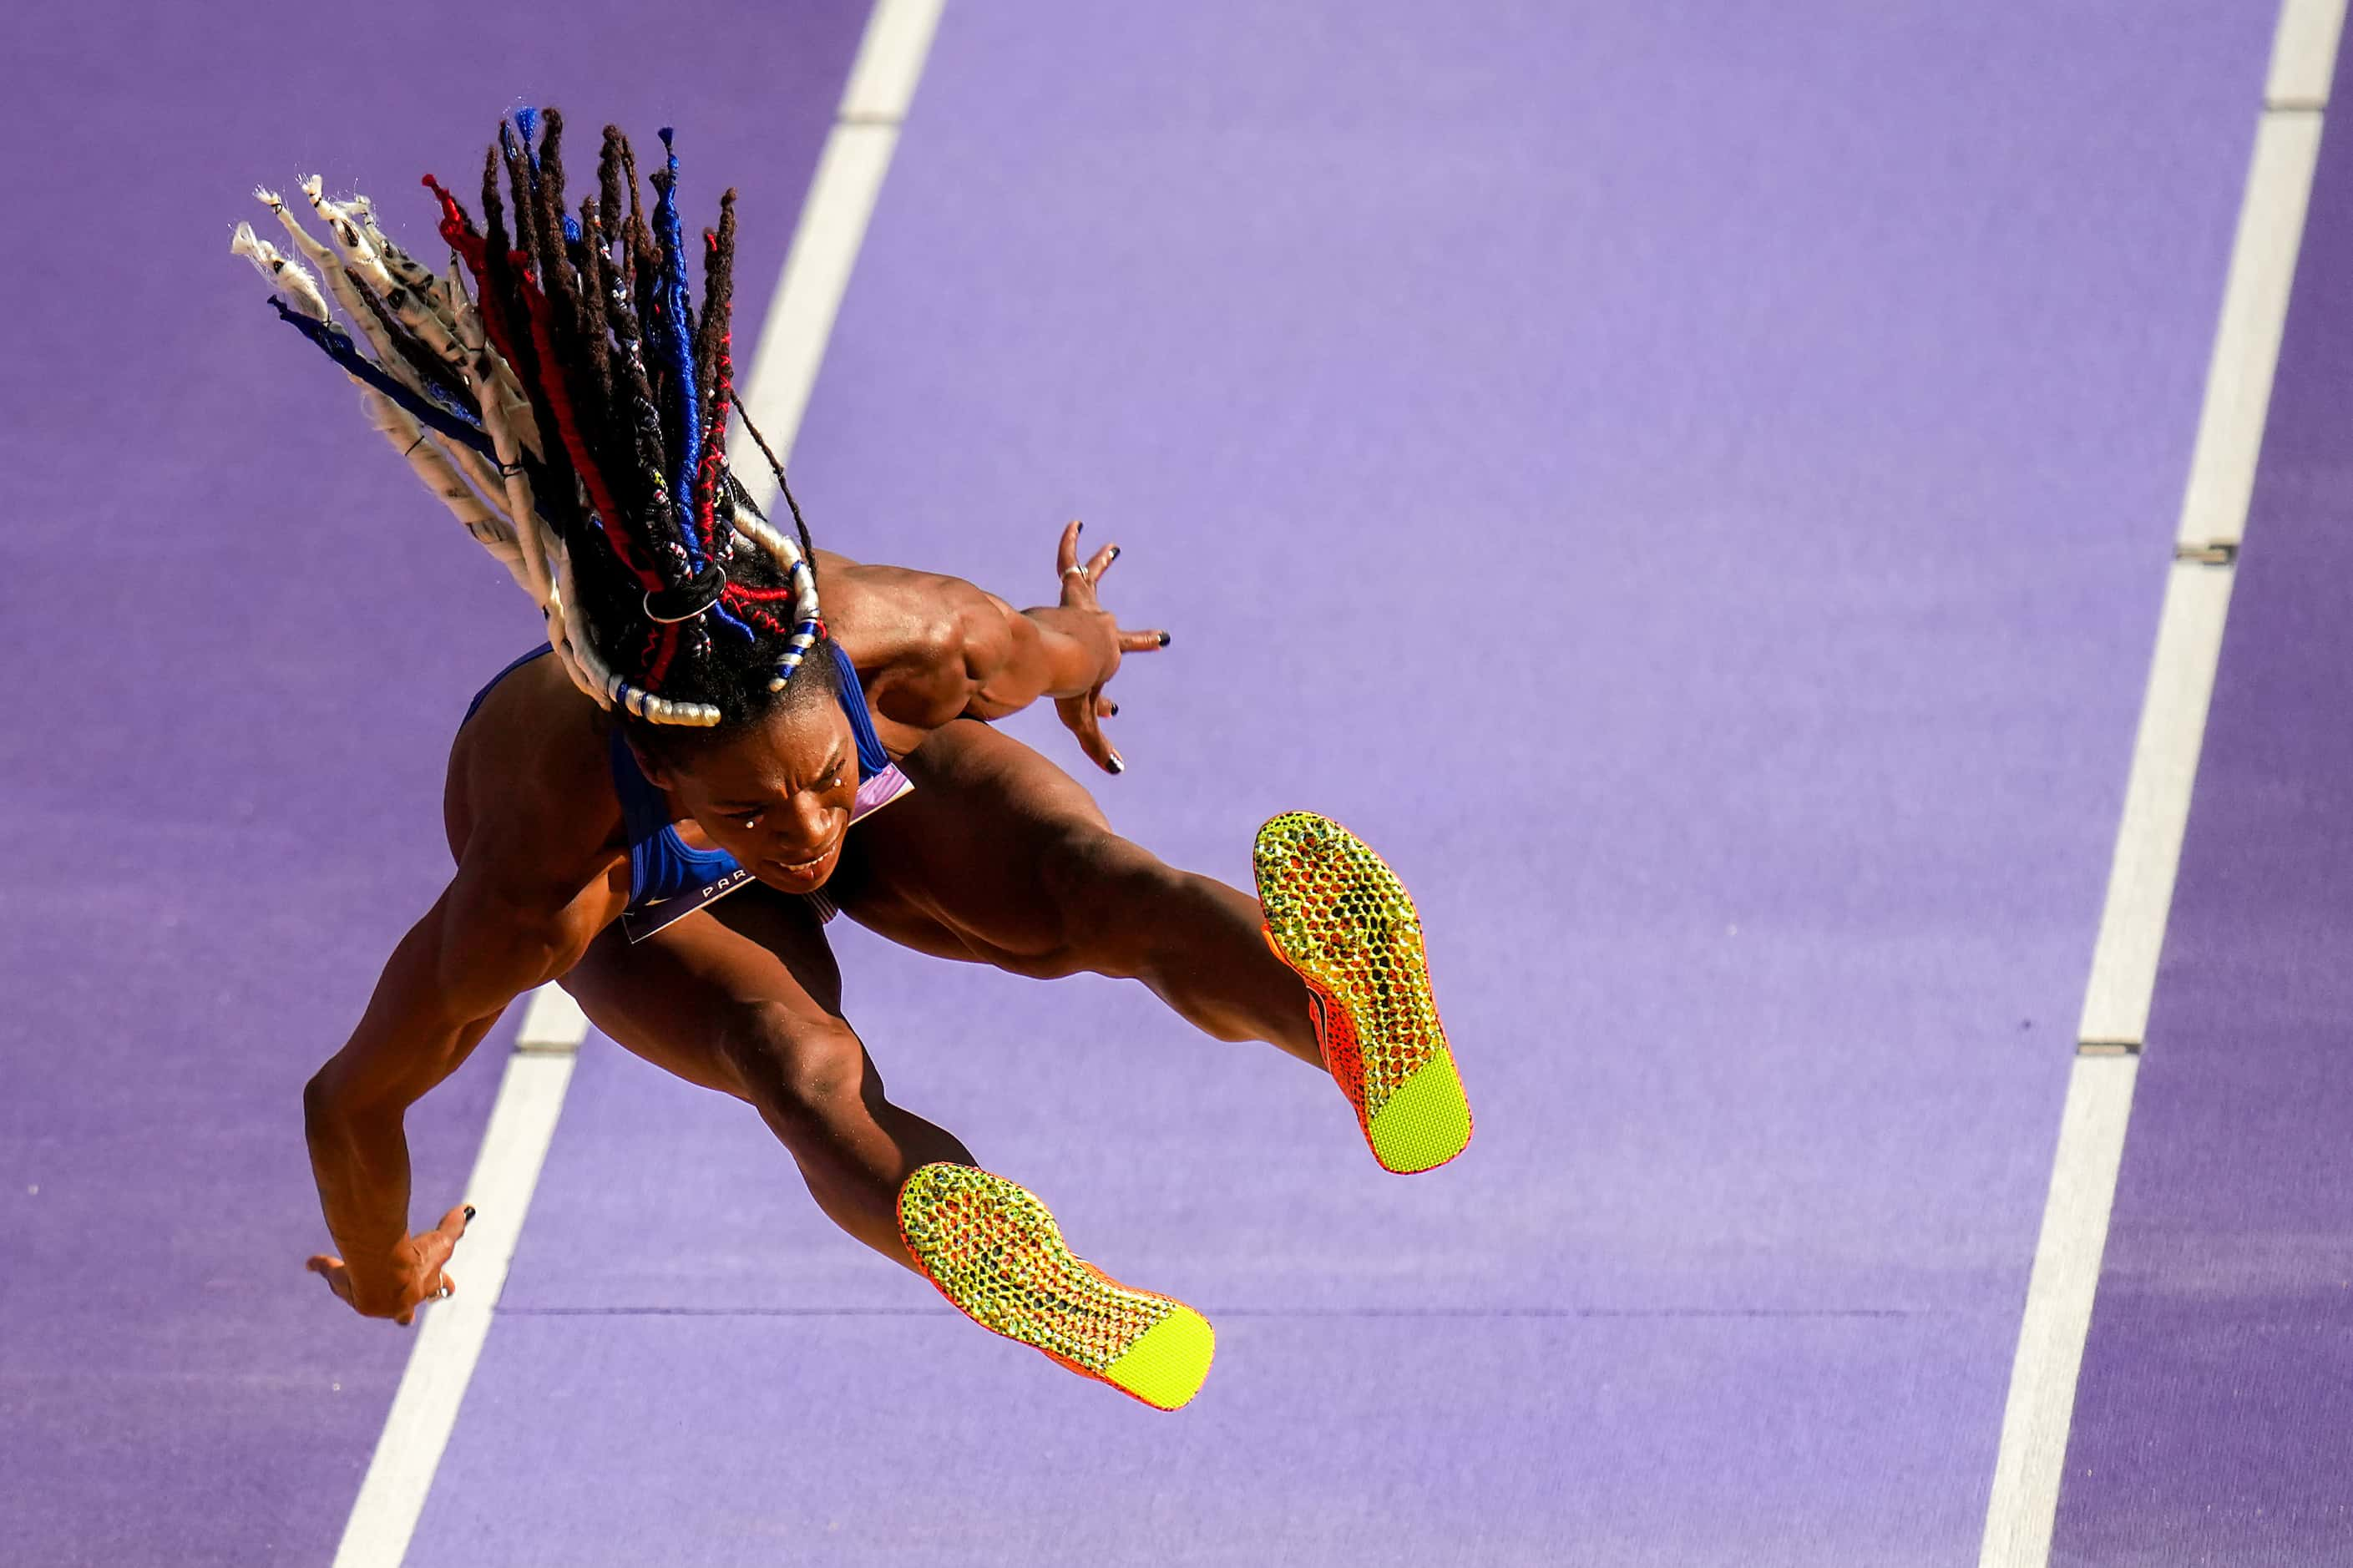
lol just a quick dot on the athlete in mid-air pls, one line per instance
(732, 736)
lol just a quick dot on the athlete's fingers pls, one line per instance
(1143, 642)
(1079, 714)
(1090, 733)
(433, 1249)
(453, 1223)
(332, 1270)
(1100, 563)
(1065, 554)
(1104, 707)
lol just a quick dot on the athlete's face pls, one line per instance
(777, 796)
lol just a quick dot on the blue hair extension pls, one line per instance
(678, 344)
(526, 121)
(337, 346)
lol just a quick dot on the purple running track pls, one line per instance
(243, 638)
(2215, 1409)
(1693, 489)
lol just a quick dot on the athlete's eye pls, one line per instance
(748, 823)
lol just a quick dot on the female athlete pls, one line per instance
(662, 808)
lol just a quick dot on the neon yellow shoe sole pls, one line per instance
(1339, 917)
(995, 1252)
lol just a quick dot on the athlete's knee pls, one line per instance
(800, 1068)
(1111, 896)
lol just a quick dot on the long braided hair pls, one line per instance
(560, 393)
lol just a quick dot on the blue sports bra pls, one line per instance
(670, 880)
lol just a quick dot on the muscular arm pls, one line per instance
(444, 986)
(525, 902)
(932, 649)
(939, 648)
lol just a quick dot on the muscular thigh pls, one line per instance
(686, 995)
(992, 857)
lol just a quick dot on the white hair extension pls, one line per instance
(285, 274)
(572, 648)
(405, 269)
(306, 298)
(493, 379)
(340, 223)
(339, 283)
(425, 457)
(480, 469)
(435, 294)
(589, 673)
(428, 460)
(371, 278)
(523, 511)
(786, 553)
(414, 311)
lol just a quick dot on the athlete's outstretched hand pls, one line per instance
(411, 1275)
(1083, 715)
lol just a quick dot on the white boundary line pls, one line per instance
(2247, 338)
(450, 1335)
(2156, 805)
(2024, 1509)
(832, 227)
(2304, 54)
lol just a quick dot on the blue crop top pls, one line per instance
(669, 880)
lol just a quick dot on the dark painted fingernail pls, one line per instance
(1115, 552)
(1115, 709)
(1116, 765)
(1164, 639)
(470, 1214)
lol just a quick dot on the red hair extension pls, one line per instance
(756, 615)
(741, 591)
(559, 399)
(458, 233)
(659, 664)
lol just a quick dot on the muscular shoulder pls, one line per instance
(529, 805)
(921, 640)
(888, 616)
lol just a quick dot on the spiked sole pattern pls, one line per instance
(995, 1252)
(1339, 917)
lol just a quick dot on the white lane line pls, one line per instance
(450, 1334)
(552, 1021)
(2157, 805)
(824, 247)
(891, 60)
(2247, 337)
(2022, 1511)
(2304, 54)
(2058, 1313)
